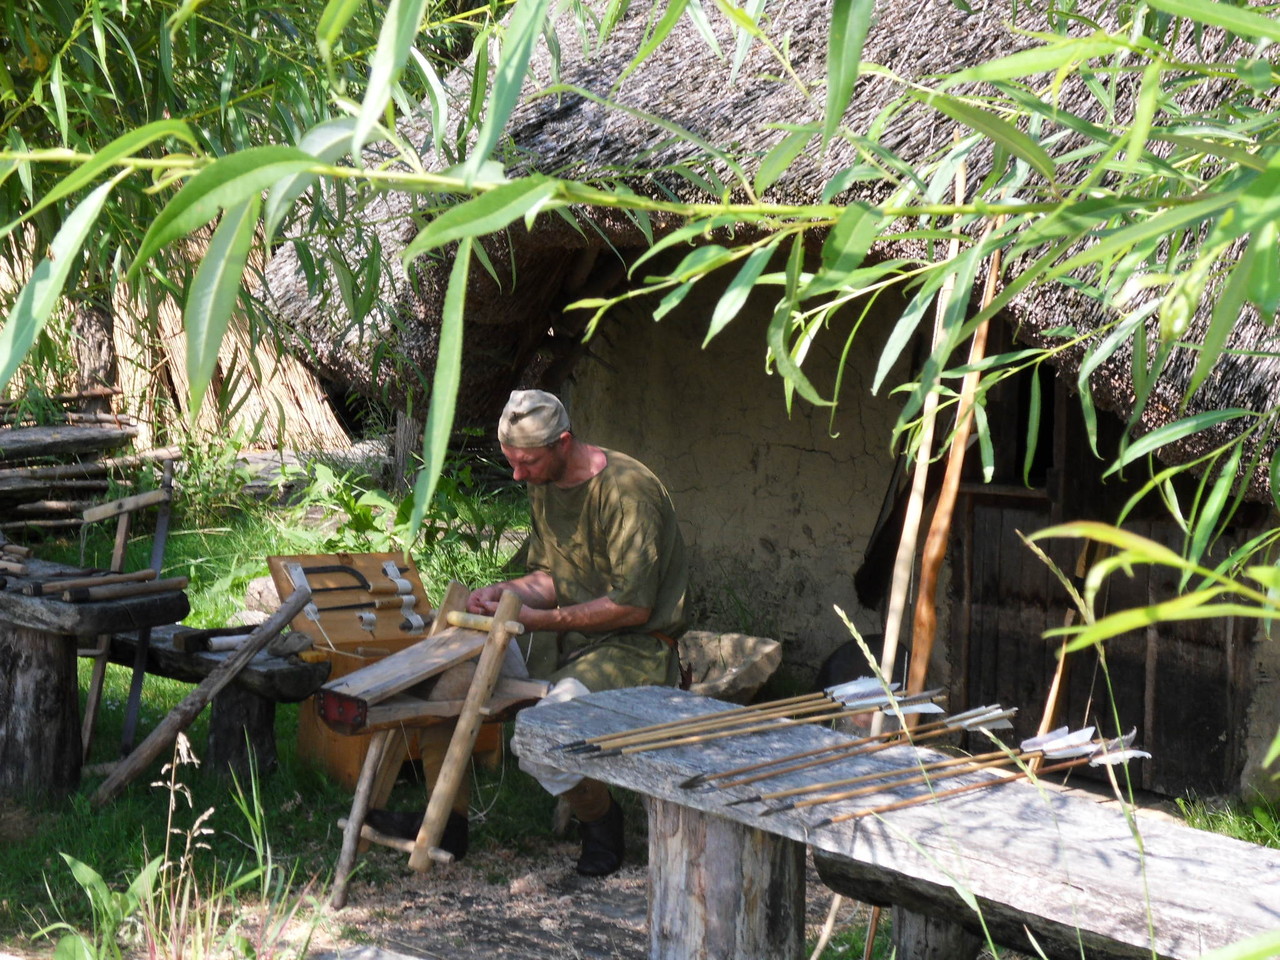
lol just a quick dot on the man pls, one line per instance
(604, 595)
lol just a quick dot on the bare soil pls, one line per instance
(533, 907)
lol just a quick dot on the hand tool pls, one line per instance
(41, 587)
(123, 591)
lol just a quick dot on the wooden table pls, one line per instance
(39, 692)
(1026, 857)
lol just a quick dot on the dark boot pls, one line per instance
(602, 843)
(405, 824)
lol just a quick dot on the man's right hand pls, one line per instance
(485, 600)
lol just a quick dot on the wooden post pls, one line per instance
(456, 758)
(922, 937)
(355, 820)
(242, 725)
(39, 713)
(722, 890)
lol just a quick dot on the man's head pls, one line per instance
(534, 435)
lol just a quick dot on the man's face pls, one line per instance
(537, 465)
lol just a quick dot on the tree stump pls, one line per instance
(39, 713)
(721, 890)
(242, 725)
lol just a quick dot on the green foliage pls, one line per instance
(1257, 823)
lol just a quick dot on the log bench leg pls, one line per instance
(720, 890)
(241, 723)
(917, 936)
(39, 713)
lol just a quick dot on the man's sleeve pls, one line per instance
(633, 554)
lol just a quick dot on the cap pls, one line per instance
(532, 418)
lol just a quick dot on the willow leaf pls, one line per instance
(999, 131)
(1229, 17)
(39, 295)
(1161, 225)
(1041, 59)
(484, 214)
(735, 295)
(1033, 426)
(112, 154)
(326, 142)
(1140, 549)
(778, 160)
(1143, 114)
(748, 28)
(223, 184)
(1173, 432)
(850, 20)
(213, 294)
(1223, 319)
(522, 33)
(1207, 518)
(666, 23)
(399, 30)
(444, 386)
(778, 338)
(333, 20)
(1190, 606)
(845, 248)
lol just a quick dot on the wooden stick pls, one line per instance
(478, 621)
(463, 741)
(925, 623)
(121, 591)
(99, 674)
(712, 724)
(954, 791)
(42, 587)
(835, 748)
(15, 567)
(126, 505)
(185, 712)
(904, 559)
(352, 825)
(903, 777)
(88, 469)
(675, 724)
(887, 739)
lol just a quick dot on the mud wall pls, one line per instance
(776, 507)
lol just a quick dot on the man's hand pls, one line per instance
(485, 600)
(535, 589)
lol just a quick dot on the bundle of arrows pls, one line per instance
(1069, 748)
(844, 700)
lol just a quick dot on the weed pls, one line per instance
(1256, 823)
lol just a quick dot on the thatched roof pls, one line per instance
(684, 84)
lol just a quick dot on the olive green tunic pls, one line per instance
(614, 536)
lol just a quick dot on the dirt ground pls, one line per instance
(528, 907)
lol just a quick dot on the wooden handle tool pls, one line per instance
(121, 591)
(45, 587)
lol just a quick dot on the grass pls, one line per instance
(220, 538)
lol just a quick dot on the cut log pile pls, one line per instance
(49, 474)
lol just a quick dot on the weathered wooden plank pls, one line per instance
(84, 619)
(1049, 860)
(26, 442)
(399, 671)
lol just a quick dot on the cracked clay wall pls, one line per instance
(776, 511)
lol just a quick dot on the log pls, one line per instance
(39, 507)
(88, 619)
(20, 488)
(920, 935)
(752, 885)
(120, 591)
(27, 442)
(181, 716)
(39, 713)
(45, 587)
(127, 505)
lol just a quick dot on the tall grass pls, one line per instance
(221, 538)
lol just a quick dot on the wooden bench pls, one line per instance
(242, 715)
(1016, 860)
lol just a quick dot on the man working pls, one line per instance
(604, 595)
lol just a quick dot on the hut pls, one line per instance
(784, 503)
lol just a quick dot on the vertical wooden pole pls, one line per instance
(458, 755)
(355, 820)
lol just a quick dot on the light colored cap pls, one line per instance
(532, 418)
